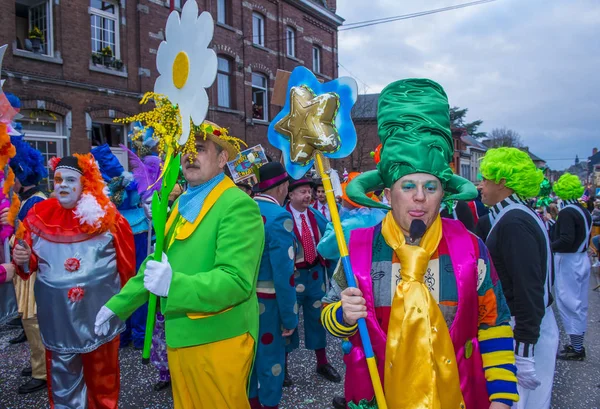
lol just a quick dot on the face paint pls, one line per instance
(415, 197)
(67, 187)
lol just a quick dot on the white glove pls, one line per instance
(157, 276)
(102, 324)
(526, 375)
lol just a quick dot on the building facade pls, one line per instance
(97, 58)
(364, 116)
(475, 151)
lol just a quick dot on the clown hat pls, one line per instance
(270, 175)
(94, 209)
(296, 183)
(414, 128)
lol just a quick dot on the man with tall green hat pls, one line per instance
(434, 307)
(570, 244)
(520, 250)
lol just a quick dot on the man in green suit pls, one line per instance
(206, 281)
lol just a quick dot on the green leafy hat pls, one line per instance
(414, 128)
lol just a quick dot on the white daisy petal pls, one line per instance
(200, 107)
(206, 29)
(164, 59)
(189, 14)
(186, 65)
(185, 127)
(207, 76)
(164, 85)
(172, 28)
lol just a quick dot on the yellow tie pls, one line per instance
(420, 362)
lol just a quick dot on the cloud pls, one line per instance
(532, 66)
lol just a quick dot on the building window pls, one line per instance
(316, 54)
(260, 103)
(44, 131)
(109, 133)
(258, 29)
(465, 171)
(290, 39)
(105, 26)
(223, 12)
(30, 15)
(224, 82)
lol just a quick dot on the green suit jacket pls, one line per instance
(215, 264)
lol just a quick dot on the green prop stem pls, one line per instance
(160, 205)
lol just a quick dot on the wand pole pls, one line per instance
(323, 169)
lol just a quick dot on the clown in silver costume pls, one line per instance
(84, 253)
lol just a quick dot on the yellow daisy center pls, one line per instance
(181, 69)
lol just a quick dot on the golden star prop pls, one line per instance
(310, 125)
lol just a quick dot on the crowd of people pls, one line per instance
(456, 282)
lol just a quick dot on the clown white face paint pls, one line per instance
(67, 187)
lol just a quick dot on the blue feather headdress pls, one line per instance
(28, 164)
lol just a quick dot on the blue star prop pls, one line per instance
(345, 89)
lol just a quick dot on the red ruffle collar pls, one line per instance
(52, 222)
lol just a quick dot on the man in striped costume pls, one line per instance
(520, 250)
(570, 244)
(434, 307)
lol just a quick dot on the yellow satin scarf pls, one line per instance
(420, 362)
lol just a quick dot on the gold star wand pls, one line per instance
(310, 128)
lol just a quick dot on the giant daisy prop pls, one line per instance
(186, 65)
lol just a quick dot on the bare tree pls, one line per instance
(503, 137)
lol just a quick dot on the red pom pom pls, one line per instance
(72, 265)
(53, 163)
(217, 132)
(76, 294)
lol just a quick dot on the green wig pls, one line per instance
(568, 187)
(515, 167)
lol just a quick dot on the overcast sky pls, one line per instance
(529, 65)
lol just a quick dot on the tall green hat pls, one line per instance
(568, 187)
(414, 128)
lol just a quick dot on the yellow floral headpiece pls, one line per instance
(165, 121)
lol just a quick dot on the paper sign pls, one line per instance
(241, 167)
(280, 89)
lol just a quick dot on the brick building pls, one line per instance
(364, 116)
(71, 94)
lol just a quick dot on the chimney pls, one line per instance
(594, 151)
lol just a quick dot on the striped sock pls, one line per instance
(577, 342)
